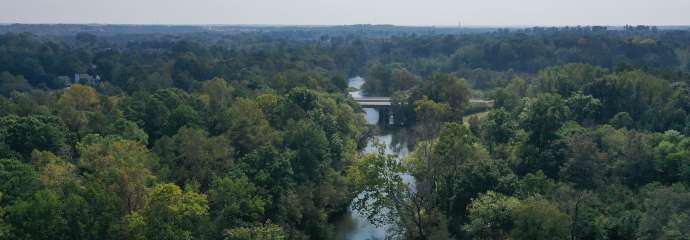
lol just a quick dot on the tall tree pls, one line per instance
(539, 219)
(192, 156)
(169, 214)
(542, 117)
(24, 134)
(490, 216)
(122, 167)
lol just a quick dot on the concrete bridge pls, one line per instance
(374, 102)
(385, 102)
(383, 105)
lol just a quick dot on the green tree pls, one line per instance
(267, 231)
(249, 126)
(4, 227)
(622, 120)
(447, 88)
(634, 92)
(38, 217)
(235, 202)
(379, 80)
(81, 98)
(24, 134)
(72, 214)
(218, 92)
(664, 207)
(430, 116)
(183, 115)
(122, 167)
(511, 96)
(17, 180)
(155, 116)
(273, 106)
(568, 79)
(403, 79)
(537, 218)
(170, 214)
(192, 156)
(490, 216)
(385, 198)
(270, 169)
(128, 130)
(10, 83)
(76, 104)
(585, 165)
(311, 146)
(583, 107)
(500, 127)
(542, 117)
(455, 170)
(54, 172)
(634, 163)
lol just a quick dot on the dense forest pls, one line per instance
(180, 134)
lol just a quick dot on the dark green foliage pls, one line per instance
(10, 83)
(18, 180)
(171, 214)
(542, 117)
(311, 148)
(39, 217)
(665, 214)
(385, 80)
(192, 156)
(539, 219)
(584, 108)
(622, 120)
(500, 127)
(585, 165)
(235, 202)
(24, 134)
(568, 79)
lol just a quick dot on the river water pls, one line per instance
(395, 144)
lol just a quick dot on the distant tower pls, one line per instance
(460, 24)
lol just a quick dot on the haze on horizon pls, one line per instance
(343, 12)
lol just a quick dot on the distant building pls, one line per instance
(83, 78)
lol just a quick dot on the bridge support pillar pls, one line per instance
(386, 116)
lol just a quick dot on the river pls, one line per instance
(396, 144)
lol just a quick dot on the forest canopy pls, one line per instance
(253, 135)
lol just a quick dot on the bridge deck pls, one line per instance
(375, 104)
(386, 101)
(372, 99)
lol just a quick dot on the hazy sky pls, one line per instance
(336, 12)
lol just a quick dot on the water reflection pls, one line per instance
(372, 116)
(356, 84)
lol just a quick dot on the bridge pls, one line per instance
(373, 102)
(385, 102)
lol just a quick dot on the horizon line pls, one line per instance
(339, 25)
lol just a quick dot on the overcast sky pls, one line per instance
(337, 12)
